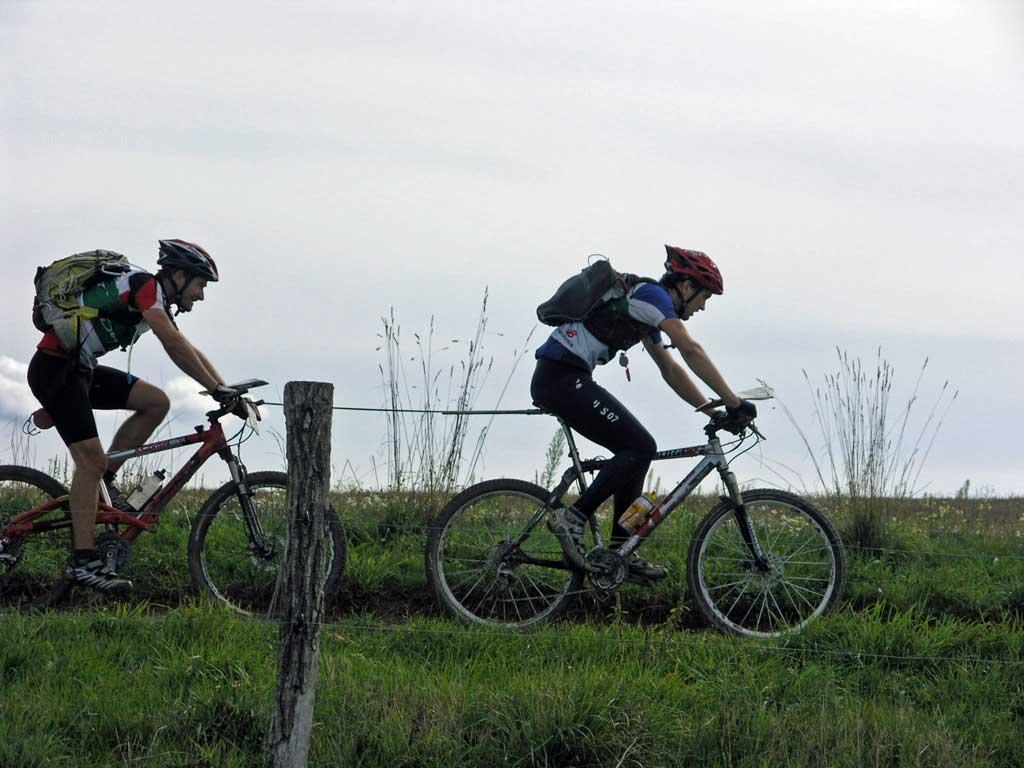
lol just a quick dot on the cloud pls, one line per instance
(16, 399)
(185, 397)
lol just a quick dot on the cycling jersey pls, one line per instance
(574, 344)
(121, 302)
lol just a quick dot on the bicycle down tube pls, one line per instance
(211, 441)
(713, 458)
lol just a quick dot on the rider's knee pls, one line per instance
(90, 459)
(646, 448)
(161, 404)
(152, 402)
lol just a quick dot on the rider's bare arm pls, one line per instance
(208, 364)
(179, 349)
(674, 375)
(697, 360)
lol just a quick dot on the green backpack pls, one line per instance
(57, 306)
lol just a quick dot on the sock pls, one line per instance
(82, 556)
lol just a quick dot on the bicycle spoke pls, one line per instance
(496, 532)
(803, 558)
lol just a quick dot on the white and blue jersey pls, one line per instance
(572, 343)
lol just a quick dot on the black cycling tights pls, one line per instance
(587, 407)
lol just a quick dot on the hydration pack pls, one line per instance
(597, 297)
(58, 307)
(578, 297)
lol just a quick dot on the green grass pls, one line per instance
(194, 688)
(923, 665)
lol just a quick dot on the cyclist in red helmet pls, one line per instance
(69, 384)
(563, 384)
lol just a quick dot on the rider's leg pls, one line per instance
(90, 464)
(598, 415)
(150, 406)
(63, 388)
(116, 390)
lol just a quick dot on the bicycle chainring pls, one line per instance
(112, 550)
(608, 569)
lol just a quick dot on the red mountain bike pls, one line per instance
(235, 547)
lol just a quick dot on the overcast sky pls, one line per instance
(855, 168)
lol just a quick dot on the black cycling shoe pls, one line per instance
(95, 574)
(639, 571)
(568, 527)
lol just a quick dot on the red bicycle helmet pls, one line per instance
(694, 265)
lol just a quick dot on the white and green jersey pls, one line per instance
(120, 302)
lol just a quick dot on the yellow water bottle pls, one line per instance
(636, 515)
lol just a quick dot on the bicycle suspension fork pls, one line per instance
(240, 477)
(747, 531)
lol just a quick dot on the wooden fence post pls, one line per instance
(307, 411)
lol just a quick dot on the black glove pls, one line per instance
(737, 418)
(223, 394)
(746, 410)
(239, 409)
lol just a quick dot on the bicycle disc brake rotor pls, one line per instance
(609, 569)
(113, 550)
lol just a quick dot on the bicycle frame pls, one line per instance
(713, 458)
(210, 440)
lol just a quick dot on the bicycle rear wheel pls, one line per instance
(804, 580)
(225, 565)
(478, 572)
(31, 574)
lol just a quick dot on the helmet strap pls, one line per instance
(174, 296)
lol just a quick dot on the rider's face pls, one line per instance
(191, 290)
(691, 299)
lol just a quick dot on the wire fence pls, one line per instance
(655, 639)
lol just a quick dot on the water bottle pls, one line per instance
(147, 489)
(638, 511)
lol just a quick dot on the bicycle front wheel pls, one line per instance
(492, 561)
(805, 574)
(228, 565)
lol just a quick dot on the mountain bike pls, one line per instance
(236, 543)
(762, 563)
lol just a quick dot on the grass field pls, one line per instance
(923, 664)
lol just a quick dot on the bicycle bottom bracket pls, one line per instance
(607, 569)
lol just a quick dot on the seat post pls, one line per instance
(574, 454)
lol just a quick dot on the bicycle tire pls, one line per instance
(223, 566)
(786, 525)
(523, 599)
(41, 584)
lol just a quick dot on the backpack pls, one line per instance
(59, 286)
(597, 298)
(578, 297)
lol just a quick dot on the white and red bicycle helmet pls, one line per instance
(181, 254)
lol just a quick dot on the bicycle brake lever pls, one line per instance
(754, 429)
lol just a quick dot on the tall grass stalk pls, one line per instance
(425, 452)
(869, 457)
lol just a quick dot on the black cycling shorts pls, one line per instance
(595, 413)
(69, 393)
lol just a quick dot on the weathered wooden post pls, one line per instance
(307, 412)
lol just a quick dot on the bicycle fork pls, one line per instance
(747, 531)
(258, 544)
